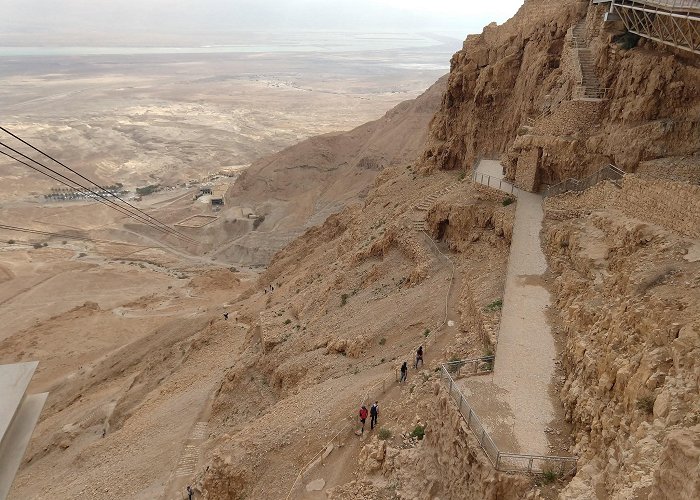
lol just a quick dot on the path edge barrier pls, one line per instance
(501, 461)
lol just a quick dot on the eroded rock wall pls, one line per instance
(525, 67)
(629, 301)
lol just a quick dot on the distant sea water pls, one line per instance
(313, 42)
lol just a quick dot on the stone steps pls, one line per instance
(429, 201)
(589, 77)
(19, 413)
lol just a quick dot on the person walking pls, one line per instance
(374, 414)
(419, 357)
(404, 372)
(226, 316)
(190, 492)
(363, 418)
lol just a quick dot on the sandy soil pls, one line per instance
(166, 119)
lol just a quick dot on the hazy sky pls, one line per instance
(51, 19)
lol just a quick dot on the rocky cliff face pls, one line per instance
(497, 80)
(526, 67)
(629, 298)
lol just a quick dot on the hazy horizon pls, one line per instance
(197, 22)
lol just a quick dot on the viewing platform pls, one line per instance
(671, 22)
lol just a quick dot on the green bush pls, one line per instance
(508, 201)
(418, 432)
(461, 176)
(495, 305)
(384, 434)
(146, 190)
(426, 333)
(547, 477)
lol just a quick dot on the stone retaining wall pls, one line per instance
(672, 205)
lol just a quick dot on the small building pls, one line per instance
(218, 194)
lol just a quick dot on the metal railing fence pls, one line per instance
(494, 182)
(501, 461)
(608, 172)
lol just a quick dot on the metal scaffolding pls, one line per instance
(672, 22)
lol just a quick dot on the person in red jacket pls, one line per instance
(363, 417)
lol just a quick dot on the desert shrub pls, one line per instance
(146, 190)
(382, 341)
(10, 242)
(64, 242)
(287, 321)
(495, 305)
(508, 201)
(384, 434)
(258, 220)
(418, 432)
(343, 299)
(426, 333)
(547, 477)
(82, 254)
(37, 245)
(523, 131)
(646, 404)
(461, 176)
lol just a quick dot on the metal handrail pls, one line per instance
(480, 176)
(609, 172)
(503, 461)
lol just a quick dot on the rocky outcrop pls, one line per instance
(523, 68)
(630, 308)
(496, 82)
(447, 463)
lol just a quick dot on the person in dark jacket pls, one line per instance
(404, 372)
(419, 356)
(374, 414)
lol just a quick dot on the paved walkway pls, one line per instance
(519, 408)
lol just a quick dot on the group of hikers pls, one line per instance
(373, 412)
(404, 366)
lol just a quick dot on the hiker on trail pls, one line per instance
(226, 316)
(419, 356)
(190, 493)
(363, 417)
(374, 414)
(404, 372)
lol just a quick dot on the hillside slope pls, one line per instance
(300, 186)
